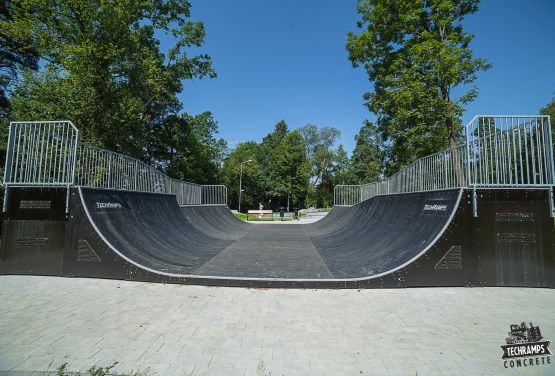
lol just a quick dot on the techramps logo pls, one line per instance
(430, 208)
(525, 347)
(108, 205)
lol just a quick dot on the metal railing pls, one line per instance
(41, 153)
(510, 151)
(348, 195)
(214, 195)
(500, 151)
(49, 153)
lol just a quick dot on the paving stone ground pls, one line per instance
(195, 330)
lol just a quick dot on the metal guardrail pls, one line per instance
(49, 153)
(41, 153)
(214, 195)
(510, 151)
(500, 151)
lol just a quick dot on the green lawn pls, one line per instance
(254, 218)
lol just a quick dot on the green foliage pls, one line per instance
(293, 169)
(279, 169)
(416, 53)
(188, 149)
(367, 159)
(105, 71)
(252, 175)
(98, 371)
(15, 54)
(326, 163)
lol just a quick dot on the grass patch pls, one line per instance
(254, 218)
(98, 371)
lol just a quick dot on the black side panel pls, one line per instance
(515, 236)
(33, 231)
(36, 203)
(32, 247)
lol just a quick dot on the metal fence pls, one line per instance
(49, 153)
(214, 195)
(510, 151)
(500, 151)
(348, 195)
(41, 153)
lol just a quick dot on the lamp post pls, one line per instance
(241, 184)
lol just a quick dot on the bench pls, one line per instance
(260, 213)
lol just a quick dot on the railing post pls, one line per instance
(8, 166)
(74, 155)
(468, 174)
(550, 200)
(550, 151)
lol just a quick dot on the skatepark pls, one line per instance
(480, 215)
(84, 225)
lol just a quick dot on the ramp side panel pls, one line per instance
(515, 237)
(33, 231)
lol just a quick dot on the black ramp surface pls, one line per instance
(379, 235)
(383, 233)
(150, 230)
(269, 251)
(218, 221)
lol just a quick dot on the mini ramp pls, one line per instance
(398, 240)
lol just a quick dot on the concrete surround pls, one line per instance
(195, 330)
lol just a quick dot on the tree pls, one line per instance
(15, 54)
(104, 68)
(293, 169)
(188, 149)
(416, 53)
(321, 153)
(342, 168)
(319, 149)
(366, 162)
(271, 180)
(252, 173)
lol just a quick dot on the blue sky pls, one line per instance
(287, 60)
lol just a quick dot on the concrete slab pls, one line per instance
(196, 330)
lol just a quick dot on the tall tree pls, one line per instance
(322, 155)
(253, 191)
(188, 149)
(320, 144)
(342, 169)
(293, 169)
(15, 53)
(104, 68)
(271, 179)
(416, 52)
(366, 162)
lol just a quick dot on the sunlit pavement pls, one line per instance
(195, 330)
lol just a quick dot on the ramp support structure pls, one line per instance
(474, 203)
(550, 201)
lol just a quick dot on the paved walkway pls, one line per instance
(195, 330)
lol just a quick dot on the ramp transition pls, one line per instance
(402, 240)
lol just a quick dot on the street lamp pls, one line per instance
(241, 184)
